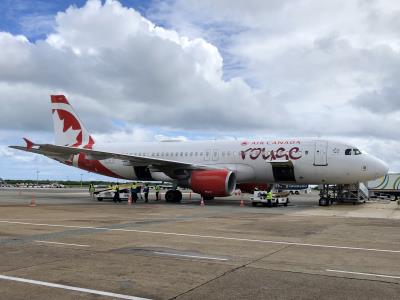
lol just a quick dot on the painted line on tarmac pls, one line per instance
(206, 237)
(365, 274)
(64, 244)
(71, 288)
(190, 256)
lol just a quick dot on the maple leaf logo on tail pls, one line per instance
(68, 129)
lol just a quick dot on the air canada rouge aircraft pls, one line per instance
(210, 168)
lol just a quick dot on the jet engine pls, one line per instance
(213, 183)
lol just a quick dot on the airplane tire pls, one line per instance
(254, 204)
(323, 202)
(173, 196)
(208, 198)
(99, 199)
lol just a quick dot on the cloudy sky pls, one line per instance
(145, 70)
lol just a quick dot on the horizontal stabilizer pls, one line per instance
(29, 144)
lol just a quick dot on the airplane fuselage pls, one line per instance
(308, 161)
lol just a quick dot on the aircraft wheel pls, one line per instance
(208, 198)
(254, 204)
(173, 196)
(178, 196)
(99, 199)
(323, 202)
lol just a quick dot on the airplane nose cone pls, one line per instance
(380, 168)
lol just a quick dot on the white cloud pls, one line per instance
(302, 68)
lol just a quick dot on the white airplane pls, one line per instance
(210, 168)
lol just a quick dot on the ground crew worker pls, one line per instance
(146, 193)
(134, 192)
(139, 191)
(91, 190)
(269, 198)
(157, 191)
(116, 198)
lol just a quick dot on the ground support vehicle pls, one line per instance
(260, 198)
(387, 187)
(109, 194)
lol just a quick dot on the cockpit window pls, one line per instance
(355, 151)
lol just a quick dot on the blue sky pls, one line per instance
(34, 18)
(147, 70)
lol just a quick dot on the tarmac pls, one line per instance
(70, 246)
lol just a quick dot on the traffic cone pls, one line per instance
(241, 203)
(33, 202)
(130, 200)
(202, 201)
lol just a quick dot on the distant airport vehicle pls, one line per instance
(209, 168)
(295, 189)
(388, 185)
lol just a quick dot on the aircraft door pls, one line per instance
(283, 172)
(321, 153)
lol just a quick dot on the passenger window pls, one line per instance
(306, 152)
(223, 153)
(201, 153)
(195, 154)
(186, 154)
(166, 154)
(356, 152)
(347, 152)
(181, 153)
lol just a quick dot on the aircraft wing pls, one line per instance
(66, 151)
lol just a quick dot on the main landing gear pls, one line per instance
(173, 196)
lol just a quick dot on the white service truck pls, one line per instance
(260, 198)
(109, 194)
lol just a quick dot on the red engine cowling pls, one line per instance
(216, 183)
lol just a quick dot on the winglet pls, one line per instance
(29, 144)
